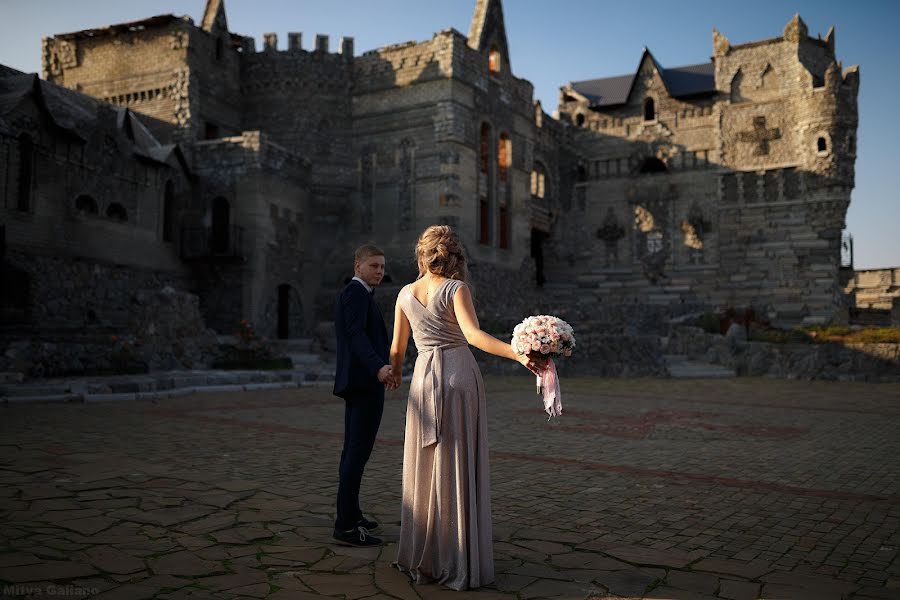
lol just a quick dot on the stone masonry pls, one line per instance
(183, 154)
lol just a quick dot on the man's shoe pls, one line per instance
(359, 536)
(370, 525)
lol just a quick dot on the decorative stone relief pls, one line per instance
(760, 135)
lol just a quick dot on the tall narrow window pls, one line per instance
(504, 157)
(484, 221)
(26, 168)
(168, 228)
(494, 61)
(485, 148)
(538, 181)
(649, 109)
(504, 227)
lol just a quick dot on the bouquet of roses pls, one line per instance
(546, 335)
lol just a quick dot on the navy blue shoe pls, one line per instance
(359, 536)
(370, 525)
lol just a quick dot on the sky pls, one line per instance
(552, 44)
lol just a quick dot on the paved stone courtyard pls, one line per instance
(662, 489)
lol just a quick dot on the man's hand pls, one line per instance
(388, 378)
(385, 376)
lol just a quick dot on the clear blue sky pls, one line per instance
(551, 44)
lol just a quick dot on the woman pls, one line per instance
(445, 531)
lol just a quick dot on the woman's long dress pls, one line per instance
(445, 531)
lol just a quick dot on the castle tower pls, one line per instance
(183, 79)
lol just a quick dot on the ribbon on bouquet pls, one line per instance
(548, 384)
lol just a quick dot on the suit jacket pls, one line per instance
(362, 342)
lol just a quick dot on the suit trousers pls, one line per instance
(362, 417)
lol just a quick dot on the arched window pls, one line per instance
(485, 148)
(736, 82)
(821, 145)
(504, 156)
(649, 110)
(494, 60)
(221, 225)
(26, 168)
(579, 119)
(538, 181)
(769, 79)
(117, 212)
(168, 225)
(86, 205)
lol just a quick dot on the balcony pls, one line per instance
(222, 244)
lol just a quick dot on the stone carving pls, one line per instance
(760, 135)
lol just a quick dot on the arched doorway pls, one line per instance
(284, 312)
(221, 224)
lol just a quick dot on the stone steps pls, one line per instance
(164, 384)
(680, 367)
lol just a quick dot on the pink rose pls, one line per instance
(544, 348)
(535, 345)
(554, 346)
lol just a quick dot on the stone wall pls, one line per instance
(733, 197)
(874, 288)
(829, 361)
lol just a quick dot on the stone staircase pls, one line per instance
(680, 367)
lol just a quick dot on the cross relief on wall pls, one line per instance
(760, 135)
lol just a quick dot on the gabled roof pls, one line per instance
(77, 114)
(683, 81)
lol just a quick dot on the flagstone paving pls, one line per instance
(658, 489)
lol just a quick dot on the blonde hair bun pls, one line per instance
(440, 252)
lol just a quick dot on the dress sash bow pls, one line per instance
(432, 394)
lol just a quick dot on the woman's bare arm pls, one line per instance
(468, 322)
(398, 344)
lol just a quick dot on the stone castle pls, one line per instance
(164, 152)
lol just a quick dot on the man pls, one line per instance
(363, 372)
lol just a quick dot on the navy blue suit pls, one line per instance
(362, 350)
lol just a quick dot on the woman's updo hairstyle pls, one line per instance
(440, 252)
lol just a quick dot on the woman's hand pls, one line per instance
(535, 364)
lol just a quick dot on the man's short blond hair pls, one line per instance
(367, 251)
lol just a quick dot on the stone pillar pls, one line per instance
(347, 48)
(321, 43)
(248, 44)
(270, 41)
(294, 41)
